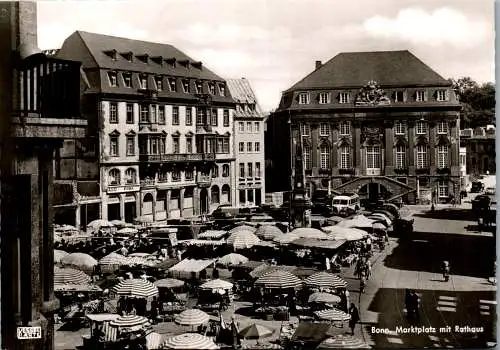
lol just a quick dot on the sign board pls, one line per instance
(172, 236)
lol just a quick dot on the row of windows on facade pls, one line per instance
(247, 196)
(155, 145)
(249, 128)
(223, 196)
(131, 178)
(374, 157)
(156, 114)
(249, 170)
(251, 147)
(345, 97)
(158, 83)
(400, 128)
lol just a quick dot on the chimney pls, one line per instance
(318, 64)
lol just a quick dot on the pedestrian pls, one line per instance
(414, 302)
(353, 311)
(368, 268)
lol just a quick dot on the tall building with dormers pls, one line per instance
(381, 124)
(161, 121)
(248, 144)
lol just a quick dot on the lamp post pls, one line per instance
(291, 172)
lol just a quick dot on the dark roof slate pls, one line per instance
(355, 69)
(99, 44)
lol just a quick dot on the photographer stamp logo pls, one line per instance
(29, 332)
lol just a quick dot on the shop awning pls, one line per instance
(318, 243)
(188, 266)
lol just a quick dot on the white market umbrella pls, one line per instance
(58, 255)
(127, 231)
(232, 259)
(327, 298)
(242, 239)
(217, 284)
(307, 232)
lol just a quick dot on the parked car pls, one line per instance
(477, 187)
(490, 191)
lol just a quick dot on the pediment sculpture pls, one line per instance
(372, 94)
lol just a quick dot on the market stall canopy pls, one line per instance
(139, 255)
(359, 221)
(328, 298)
(332, 315)
(127, 231)
(136, 287)
(129, 321)
(249, 265)
(80, 288)
(188, 266)
(310, 332)
(379, 226)
(189, 341)
(342, 341)
(255, 331)
(306, 232)
(345, 233)
(166, 264)
(217, 284)
(114, 259)
(192, 317)
(243, 227)
(279, 279)
(201, 242)
(140, 261)
(80, 260)
(102, 317)
(212, 234)
(118, 223)
(232, 259)
(286, 238)
(325, 280)
(242, 239)
(169, 283)
(334, 219)
(318, 243)
(58, 255)
(268, 232)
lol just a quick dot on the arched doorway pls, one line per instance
(373, 192)
(130, 208)
(203, 201)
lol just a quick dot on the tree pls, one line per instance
(478, 102)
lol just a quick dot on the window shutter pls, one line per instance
(447, 95)
(426, 97)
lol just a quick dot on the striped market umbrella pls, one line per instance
(136, 287)
(70, 276)
(232, 259)
(114, 259)
(324, 298)
(188, 341)
(325, 280)
(343, 341)
(307, 232)
(137, 260)
(80, 260)
(279, 279)
(255, 331)
(268, 232)
(242, 239)
(169, 283)
(243, 228)
(332, 315)
(154, 341)
(217, 284)
(192, 317)
(58, 255)
(129, 321)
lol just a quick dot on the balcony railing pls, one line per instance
(203, 180)
(175, 158)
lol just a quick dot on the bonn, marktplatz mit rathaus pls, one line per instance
(380, 124)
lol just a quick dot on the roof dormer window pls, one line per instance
(185, 86)
(172, 84)
(222, 90)
(111, 54)
(441, 95)
(211, 88)
(199, 87)
(159, 83)
(127, 79)
(197, 64)
(113, 81)
(143, 58)
(184, 63)
(127, 56)
(157, 60)
(143, 81)
(171, 61)
(303, 98)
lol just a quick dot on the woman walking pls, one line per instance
(353, 311)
